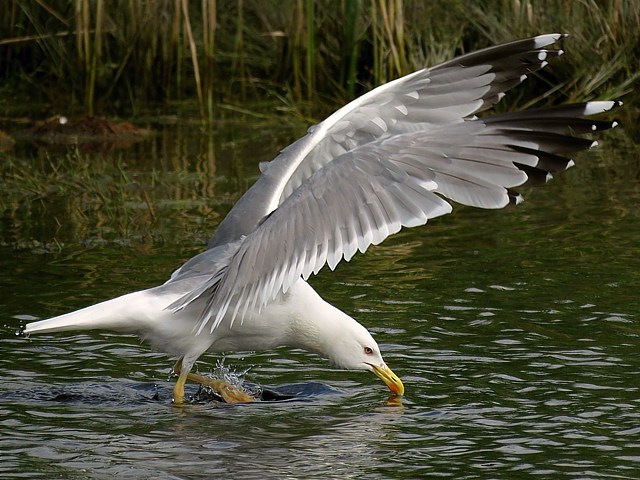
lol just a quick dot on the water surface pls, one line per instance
(516, 332)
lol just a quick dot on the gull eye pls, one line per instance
(368, 350)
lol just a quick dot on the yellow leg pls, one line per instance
(230, 393)
(178, 389)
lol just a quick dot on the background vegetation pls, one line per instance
(122, 57)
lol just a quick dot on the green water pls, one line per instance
(516, 332)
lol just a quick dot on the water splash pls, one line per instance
(232, 377)
(229, 374)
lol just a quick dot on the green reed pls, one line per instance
(121, 56)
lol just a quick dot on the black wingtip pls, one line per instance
(515, 198)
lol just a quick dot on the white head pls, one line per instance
(352, 347)
(325, 330)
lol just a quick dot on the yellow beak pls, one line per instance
(385, 374)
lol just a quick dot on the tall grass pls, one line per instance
(604, 45)
(121, 56)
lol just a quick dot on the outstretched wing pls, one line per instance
(449, 93)
(364, 195)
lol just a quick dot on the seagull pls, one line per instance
(394, 157)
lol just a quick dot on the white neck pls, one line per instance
(314, 326)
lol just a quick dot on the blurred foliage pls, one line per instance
(125, 56)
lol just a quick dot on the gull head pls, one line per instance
(317, 326)
(352, 347)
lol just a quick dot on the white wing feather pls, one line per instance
(385, 161)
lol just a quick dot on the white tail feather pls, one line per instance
(128, 313)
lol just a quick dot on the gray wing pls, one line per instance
(374, 190)
(449, 93)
